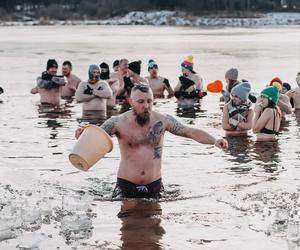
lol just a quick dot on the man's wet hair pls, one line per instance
(123, 60)
(67, 63)
(141, 87)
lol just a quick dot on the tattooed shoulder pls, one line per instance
(174, 126)
(110, 124)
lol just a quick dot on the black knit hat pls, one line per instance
(52, 63)
(104, 75)
(135, 67)
(104, 65)
(116, 63)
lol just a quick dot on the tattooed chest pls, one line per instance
(150, 137)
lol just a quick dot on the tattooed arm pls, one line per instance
(109, 126)
(176, 128)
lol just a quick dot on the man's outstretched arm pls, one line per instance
(177, 128)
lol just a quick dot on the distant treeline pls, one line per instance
(99, 9)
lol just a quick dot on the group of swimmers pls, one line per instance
(273, 104)
(105, 90)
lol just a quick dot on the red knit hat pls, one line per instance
(276, 79)
(276, 82)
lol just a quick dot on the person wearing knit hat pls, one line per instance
(134, 73)
(116, 65)
(157, 83)
(237, 114)
(231, 78)
(242, 91)
(93, 94)
(294, 94)
(232, 74)
(284, 103)
(267, 115)
(49, 85)
(188, 64)
(104, 69)
(277, 80)
(135, 67)
(285, 88)
(189, 90)
(51, 63)
(113, 83)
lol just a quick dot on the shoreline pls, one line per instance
(171, 18)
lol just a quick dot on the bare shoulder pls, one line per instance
(77, 78)
(267, 111)
(285, 97)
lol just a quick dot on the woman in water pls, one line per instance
(267, 115)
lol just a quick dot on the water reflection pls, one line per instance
(96, 117)
(297, 114)
(268, 153)
(54, 112)
(141, 228)
(192, 112)
(240, 150)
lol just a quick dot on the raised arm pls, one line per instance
(260, 120)
(168, 88)
(284, 104)
(177, 128)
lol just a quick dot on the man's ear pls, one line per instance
(130, 101)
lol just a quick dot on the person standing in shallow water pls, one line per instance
(72, 81)
(237, 113)
(294, 94)
(284, 101)
(140, 132)
(157, 83)
(49, 85)
(93, 94)
(231, 78)
(116, 64)
(189, 89)
(114, 84)
(267, 115)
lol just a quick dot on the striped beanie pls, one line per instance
(188, 63)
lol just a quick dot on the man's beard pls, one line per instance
(141, 120)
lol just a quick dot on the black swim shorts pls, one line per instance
(127, 189)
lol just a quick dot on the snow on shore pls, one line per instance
(174, 18)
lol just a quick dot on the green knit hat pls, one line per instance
(271, 93)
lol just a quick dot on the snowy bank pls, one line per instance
(173, 18)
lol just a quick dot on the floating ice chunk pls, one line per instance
(31, 240)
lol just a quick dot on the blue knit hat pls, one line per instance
(152, 64)
(91, 69)
(241, 90)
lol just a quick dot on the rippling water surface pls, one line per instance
(244, 198)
